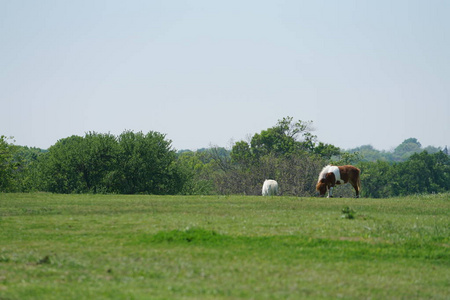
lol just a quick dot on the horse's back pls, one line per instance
(349, 173)
(270, 187)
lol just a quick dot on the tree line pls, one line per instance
(138, 163)
(401, 153)
(131, 163)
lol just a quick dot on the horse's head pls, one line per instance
(321, 187)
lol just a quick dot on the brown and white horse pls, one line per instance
(332, 175)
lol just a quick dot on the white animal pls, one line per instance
(270, 188)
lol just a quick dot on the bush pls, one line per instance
(133, 163)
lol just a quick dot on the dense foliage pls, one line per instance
(132, 163)
(7, 165)
(401, 153)
(420, 173)
(289, 153)
(138, 163)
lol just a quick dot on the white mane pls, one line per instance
(324, 172)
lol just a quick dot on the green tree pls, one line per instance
(346, 158)
(99, 160)
(102, 163)
(406, 149)
(80, 164)
(147, 164)
(27, 173)
(242, 153)
(369, 153)
(283, 139)
(59, 166)
(197, 169)
(376, 178)
(422, 173)
(326, 151)
(287, 152)
(7, 165)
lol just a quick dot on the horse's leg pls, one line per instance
(355, 186)
(330, 192)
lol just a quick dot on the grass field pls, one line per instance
(223, 247)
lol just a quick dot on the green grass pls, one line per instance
(223, 247)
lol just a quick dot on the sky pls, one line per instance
(211, 73)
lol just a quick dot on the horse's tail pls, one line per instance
(358, 181)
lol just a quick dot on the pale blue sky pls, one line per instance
(208, 72)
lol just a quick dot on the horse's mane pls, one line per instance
(323, 172)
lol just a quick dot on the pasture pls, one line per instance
(223, 247)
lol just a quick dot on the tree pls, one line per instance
(421, 173)
(346, 158)
(102, 163)
(7, 165)
(197, 169)
(283, 139)
(376, 178)
(287, 152)
(26, 176)
(369, 153)
(326, 151)
(81, 164)
(242, 153)
(406, 149)
(147, 164)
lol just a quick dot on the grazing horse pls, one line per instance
(332, 175)
(270, 188)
